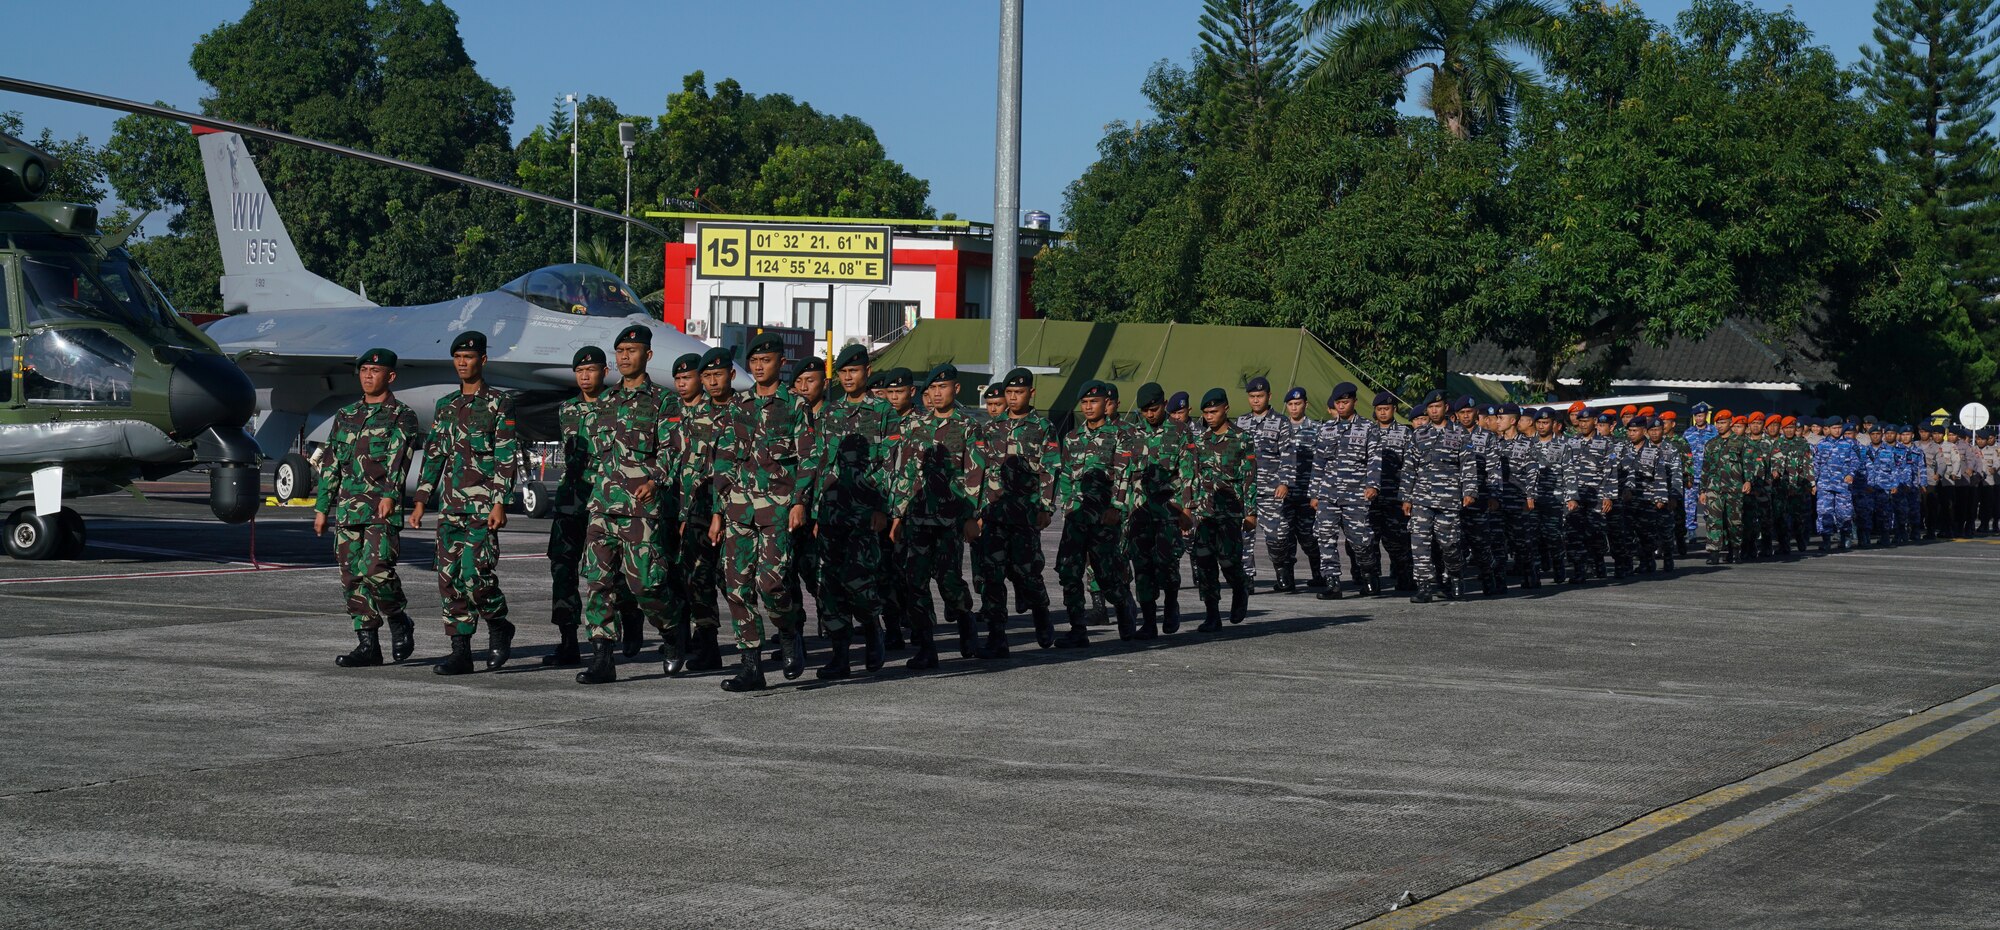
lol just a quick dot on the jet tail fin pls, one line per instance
(261, 270)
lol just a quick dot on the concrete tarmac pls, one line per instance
(180, 751)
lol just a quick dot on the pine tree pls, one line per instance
(1250, 48)
(1932, 75)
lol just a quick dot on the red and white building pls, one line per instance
(934, 275)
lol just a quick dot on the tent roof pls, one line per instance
(1180, 356)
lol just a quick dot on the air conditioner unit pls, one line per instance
(698, 329)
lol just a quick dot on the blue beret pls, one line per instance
(1701, 406)
(1869, 419)
(1488, 410)
(1608, 416)
(1343, 389)
(1542, 413)
(1297, 393)
(1256, 384)
(1177, 402)
(1384, 398)
(1432, 398)
(1417, 411)
(1463, 401)
(1832, 421)
(1512, 409)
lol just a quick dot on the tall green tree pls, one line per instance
(1250, 48)
(1931, 74)
(1473, 86)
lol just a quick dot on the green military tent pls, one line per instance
(1180, 356)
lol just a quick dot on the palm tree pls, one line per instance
(1473, 84)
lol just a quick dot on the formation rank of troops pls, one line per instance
(866, 499)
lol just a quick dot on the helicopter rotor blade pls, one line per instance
(88, 98)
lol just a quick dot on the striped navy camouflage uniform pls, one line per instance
(1620, 524)
(1298, 508)
(1277, 452)
(1588, 481)
(1518, 480)
(1385, 517)
(1347, 462)
(1482, 529)
(1440, 473)
(1552, 458)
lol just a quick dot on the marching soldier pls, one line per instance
(1299, 509)
(1664, 493)
(897, 598)
(1224, 497)
(1022, 457)
(1551, 454)
(1514, 450)
(808, 381)
(857, 412)
(1385, 513)
(1347, 479)
(568, 521)
(360, 492)
(1162, 471)
(635, 447)
(762, 472)
(705, 395)
(934, 508)
(850, 513)
(1093, 482)
(1587, 496)
(1725, 484)
(1835, 463)
(1440, 482)
(1682, 455)
(996, 402)
(1277, 453)
(471, 461)
(1479, 526)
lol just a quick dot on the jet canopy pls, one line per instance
(583, 290)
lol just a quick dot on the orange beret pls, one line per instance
(1670, 415)
(1646, 411)
(1790, 421)
(1723, 415)
(1735, 420)
(1628, 410)
(1757, 415)
(1578, 407)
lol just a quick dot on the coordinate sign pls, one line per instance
(764, 252)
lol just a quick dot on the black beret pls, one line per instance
(875, 380)
(944, 372)
(1094, 388)
(1511, 409)
(718, 358)
(856, 354)
(994, 391)
(637, 333)
(588, 355)
(1177, 402)
(382, 357)
(1541, 413)
(1488, 410)
(897, 378)
(1110, 389)
(1256, 384)
(1343, 389)
(1432, 398)
(765, 342)
(804, 365)
(1417, 410)
(1384, 399)
(1149, 394)
(1216, 397)
(1463, 401)
(686, 363)
(471, 340)
(1019, 377)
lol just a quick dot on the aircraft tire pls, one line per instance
(31, 536)
(72, 535)
(535, 499)
(293, 479)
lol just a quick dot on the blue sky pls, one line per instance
(920, 71)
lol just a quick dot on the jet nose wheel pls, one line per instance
(293, 479)
(33, 537)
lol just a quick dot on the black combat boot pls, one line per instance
(1621, 569)
(923, 637)
(674, 651)
(1422, 596)
(1332, 590)
(871, 641)
(892, 630)
(1450, 589)
(1239, 604)
(1149, 622)
(1214, 622)
(749, 673)
(632, 623)
(1318, 577)
(402, 636)
(460, 660)
(1170, 614)
(1284, 584)
(1597, 567)
(565, 652)
(1097, 615)
(1646, 566)
(1128, 624)
(793, 644)
(1078, 635)
(367, 651)
(968, 635)
(603, 667)
(499, 643)
(1406, 580)
(1045, 629)
(1714, 557)
(996, 638)
(707, 655)
(839, 644)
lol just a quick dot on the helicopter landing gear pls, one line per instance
(34, 537)
(293, 480)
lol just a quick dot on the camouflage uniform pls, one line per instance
(567, 519)
(847, 496)
(762, 465)
(1163, 470)
(1724, 466)
(1347, 461)
(1277, 460)
(1552, 458)
(1481, 527)
(471, 462)
(1439, 473)
(1224, 491)
(1835, 463)
(939, 484)
(697, 574)
(1022, 457)
(370, 446)
(1385, 514)
(1757, 506)
(635, 442)
(1298, 508)
(1519, 479)
(1652, 487)
(1590, 480)
(1621, 524)
(1696, 440)
(1095, 478)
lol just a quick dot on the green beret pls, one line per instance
(1214, 397)
(588, 355)
(471, 340)
(856, 354)
(1151, 393)
(941, 374)
(1110, 390)
(995, 390)
(686, 363)
(382, 357)
(806, 364)
(897, 378)
(636, 333)
(1094, 388)
(1019, 377)
(718, 358)
(765, 342)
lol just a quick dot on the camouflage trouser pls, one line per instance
(1907, 504)
(1476, 531)
(1349, 517)
(1522, 536)
(1691, 503)
(933, 552)
(1008, 552)
(804, 577)
(891, 589)
(1277, 532)
(1756, 517)
(1550, 531)
(1214, 545)
(696, 577)
(468, 556)
(367, 556)
(1621, 526)
(624, 549)
(1150, 537)
(1088, 543)
(850, 571)
(754, 560)
(1833, 508)
(1652, 529)
(1436, 551)
(1299, 513)
(1585, 534)
(566, 542)
(1386, 518)
(1725, 520)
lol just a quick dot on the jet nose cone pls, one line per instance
(206, 391)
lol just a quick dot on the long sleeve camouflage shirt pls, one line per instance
(1392, 447)
(1162, 467)
(472, 458)
(1277, 447)
(941, 471)
(701, 422)
(870, 418)
(636, 440)
(1022, 458)
(370, 447)
(1347, 460)
(577, 418)
(1440, 472)
(763, 457)
(1096, 469)
(1225, 470)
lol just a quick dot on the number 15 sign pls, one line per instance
(768, 252)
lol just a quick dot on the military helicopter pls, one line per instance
(102, 383)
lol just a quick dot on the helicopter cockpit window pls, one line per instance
(76, 366)
(64, 287)
(141, 298)
(582, 290)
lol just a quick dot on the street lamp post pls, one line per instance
(575, 133)
(628, 139)
(1007, 196)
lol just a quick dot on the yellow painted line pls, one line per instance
(1626, 877)
(1470, 895)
